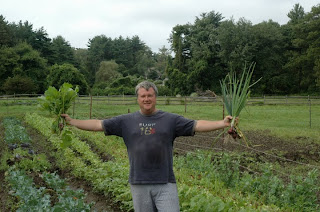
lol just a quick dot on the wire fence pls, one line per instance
(91, 106)
(168, 100)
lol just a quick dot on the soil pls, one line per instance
(261, 144)
(302, 149)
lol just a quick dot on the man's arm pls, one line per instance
(206, 126)
(90, 125)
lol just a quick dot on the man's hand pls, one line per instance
(227, 120)
(67, 118)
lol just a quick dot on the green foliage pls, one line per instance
(15, 133)
(122, 85)
(32, 198)
(107, 177)
(63, 52)
(67, 73)
(9, 63)
(58, 102)
(23, 160)
(6, 35)
(298, 194)
(206, 180)
(32, 65)
(19, 85)
(235, 92)
(108, 71)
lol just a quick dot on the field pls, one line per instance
(277, 171)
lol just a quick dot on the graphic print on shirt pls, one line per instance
(147, 128)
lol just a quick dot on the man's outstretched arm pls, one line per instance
(90, 124)
(206, 126)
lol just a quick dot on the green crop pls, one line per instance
(235, 93)
(58, 102)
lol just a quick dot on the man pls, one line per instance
(149, 135)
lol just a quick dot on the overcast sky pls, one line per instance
(80, 20)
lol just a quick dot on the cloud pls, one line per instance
(152, 20)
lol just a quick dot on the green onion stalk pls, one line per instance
(235, 93)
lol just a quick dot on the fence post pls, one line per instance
(74, 105)
(90, 106)
(185, 104)
(223, 129)
(309, 110)
(264, 99)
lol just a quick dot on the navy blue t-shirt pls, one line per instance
(149, 141)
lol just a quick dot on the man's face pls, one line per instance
(147, 100)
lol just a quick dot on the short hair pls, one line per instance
(147, 85)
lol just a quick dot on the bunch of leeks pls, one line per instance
(235, 93)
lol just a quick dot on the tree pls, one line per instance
(32, 65)
(60, 74)
(161, 61)
(63, 52)
(108, 71)
(180, 45)
(19, 85)
(100, 49)
(144, 64)
(9, 63)
(296, 14)
(304, 56)
(5, 33)
(269, 56)
(43, 44)
(237, 43)
(81, 59)
(196, 49)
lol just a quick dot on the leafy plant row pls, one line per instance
(185, 186)
(191, 197)
(20, 162)
(55, 197)
(224, 186)
(107, 177)
(299, 194)
(14, 131)
(204, 184)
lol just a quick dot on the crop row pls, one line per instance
(206, 185)
(223, 185)
(22, 164)
(106, 177)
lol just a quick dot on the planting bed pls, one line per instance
(259, 144)
(263, 148)
(39, 145)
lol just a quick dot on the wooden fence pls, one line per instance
(88, 101)
(167, 100)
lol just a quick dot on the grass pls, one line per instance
(285, 121)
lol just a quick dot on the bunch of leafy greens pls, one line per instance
(58, 102)
(235, 93)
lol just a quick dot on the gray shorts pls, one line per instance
(155, 197)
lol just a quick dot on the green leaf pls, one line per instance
(66, 139)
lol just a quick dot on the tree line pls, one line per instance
(287, 57)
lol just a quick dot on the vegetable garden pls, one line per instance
(278, 171)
